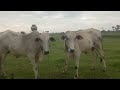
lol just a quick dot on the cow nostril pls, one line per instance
(46, 52)
(71, 50)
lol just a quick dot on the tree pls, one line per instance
(117, 27)
(33, 27)
(113, 28)
(103, 31)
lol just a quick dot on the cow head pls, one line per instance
(45, 42)
(70, 37)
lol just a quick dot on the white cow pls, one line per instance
(33, 45)
(77, 42)
(46, 38)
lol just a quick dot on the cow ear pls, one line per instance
(63, 37)
(52, 39)
(79, 37)
(37, 39)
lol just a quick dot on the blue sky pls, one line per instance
(58, 21)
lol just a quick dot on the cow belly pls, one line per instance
(16, 52)
(85, 47)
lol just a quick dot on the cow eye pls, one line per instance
(38, 39)
(67, 38)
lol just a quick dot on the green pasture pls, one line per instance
(52, 65)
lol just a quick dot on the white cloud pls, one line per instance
(58, 21)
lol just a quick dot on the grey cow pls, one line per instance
(32, 45)
(77, 42)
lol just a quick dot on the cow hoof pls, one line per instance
(38, 77)
(75, 77)
(92, 69)
(12, 76)
(64, 71)
(104, 70)
(3, 76)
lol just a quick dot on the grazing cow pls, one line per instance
(30, 45)
(77, 42)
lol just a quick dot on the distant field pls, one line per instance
(52, 65)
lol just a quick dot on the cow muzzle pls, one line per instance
(72, 50)
(46, 52)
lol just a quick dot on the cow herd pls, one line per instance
(35, 45)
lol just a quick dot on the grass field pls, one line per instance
(52, 65)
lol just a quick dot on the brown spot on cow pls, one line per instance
(79, 37)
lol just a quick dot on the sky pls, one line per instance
(58, 21)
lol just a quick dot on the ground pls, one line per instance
(52, 65)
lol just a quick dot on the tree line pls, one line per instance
(114, 28)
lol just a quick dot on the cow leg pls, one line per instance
(77, 65)
(102, 59)
(35, 68)
(66, 63)
(41, 57)
(94, 61)
(37, 64)
(2, 58)
(34, 62)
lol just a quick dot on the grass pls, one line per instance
(52, 65)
